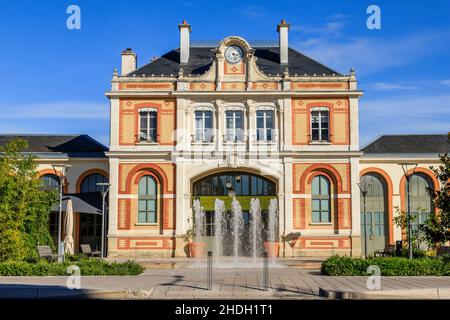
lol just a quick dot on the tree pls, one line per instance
(437, 227)
(24, 204)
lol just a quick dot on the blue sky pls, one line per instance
(54, 78)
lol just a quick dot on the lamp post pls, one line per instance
(364, 190)
(408, 191)
(60, 171)
(104, 191)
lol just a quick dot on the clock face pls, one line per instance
(233, 54)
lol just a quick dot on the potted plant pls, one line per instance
(272, 248)
(196, 248)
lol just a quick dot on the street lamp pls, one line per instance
(364, 190)
(60, 171)
(104, 191)
(408, 188)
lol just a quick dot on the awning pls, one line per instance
(87, 202)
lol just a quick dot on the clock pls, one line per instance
(233, 54)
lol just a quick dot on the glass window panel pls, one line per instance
(208, 119)
(325, 216)
(270, 119)
(377, 217)
(142, 186)
(316, 216)
(324, 205)
(315, 185)
(142, 217)
(152, 217)
(151, 186)
(141, 206)
(151, 205)
(324, 185)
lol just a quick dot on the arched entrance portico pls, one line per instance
(226, 185)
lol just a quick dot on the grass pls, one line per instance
(389, 266)
(87, 267)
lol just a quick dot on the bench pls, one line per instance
(443, 250)
(86, 250)
(389, 250)
(45, 252)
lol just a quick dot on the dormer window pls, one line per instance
(148, 121)
(320, 124)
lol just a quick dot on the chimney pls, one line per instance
(185, 29)
(129, 61)
(283, 29)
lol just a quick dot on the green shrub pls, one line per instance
(88, 267)
(391, 266)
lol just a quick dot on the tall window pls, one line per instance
(421, 202)
(148, 125)
(234, 125)
(147, 200)
(320, 199)
(203, 126)
(265, 125)
(50, 181)
(89, 184)
(320, 124)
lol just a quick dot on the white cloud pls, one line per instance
(252, 12)
(404, 115)
(391, 86)
(328, 29)
(370, 55)
(72, 110)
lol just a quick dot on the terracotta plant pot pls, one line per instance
(196, 249)
(271, 248)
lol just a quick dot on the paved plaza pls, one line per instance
(185, 280)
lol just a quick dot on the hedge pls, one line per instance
(88, 267)
(389, 266)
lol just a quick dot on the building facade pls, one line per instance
(217, 120)
(259, 117)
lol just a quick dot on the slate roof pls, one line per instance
(200, 60)
(415, 143)
(71, 145)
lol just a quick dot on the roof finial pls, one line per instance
(180, 73)
(115, 73)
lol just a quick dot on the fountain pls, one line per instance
(237, 225)
(219, 209)
(199, 218)
(255, 227)
(272, 244)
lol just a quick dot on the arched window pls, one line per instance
(147, 200)
(243, 184)
(320, 198)
(50, 181)
(375, 206)
(89, 183)
(421, 202)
